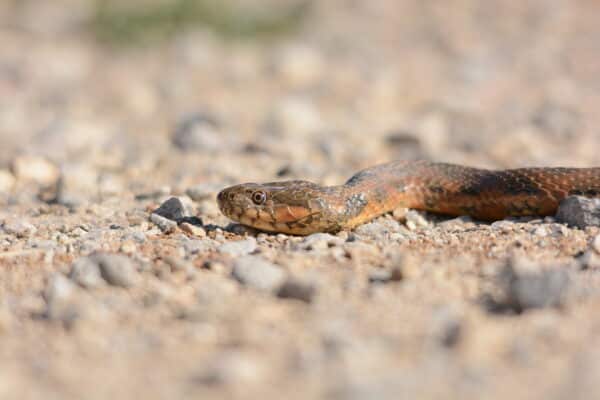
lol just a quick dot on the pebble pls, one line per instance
(128, 247)
(540, 231)
(172, 209)
(59, 295)
(596, 244)
(164, 224)
(35, 169)
(386, 275)
(320, 241)
(258, 273)
(525, 287)
(378, 228)
(579, 211)
(298, 290)
(195, 246)
(86, 272)
(7, 181)
(192, 229)
(117, 270)
(19, 228)
(415, 220)
(238, 248)
(198, 132)
(503, 226)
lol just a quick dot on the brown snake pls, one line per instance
(302, 208)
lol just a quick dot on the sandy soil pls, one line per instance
(101, 299)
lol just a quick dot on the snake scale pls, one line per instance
(302, 207)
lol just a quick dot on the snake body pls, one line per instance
(302, 207)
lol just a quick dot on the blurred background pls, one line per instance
(108, 107)
(122, 96)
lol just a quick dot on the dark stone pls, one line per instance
(579, 212)
(172, 209)
(293, 289)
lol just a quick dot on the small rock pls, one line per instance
(195, 246)
(164, 224)
(596, 244)
(35, 169)
(7, 181)
(579, 211)
(525, 288)
(86, 272)
(238, 248)
(198, 132)
(320, 241)
(415, 220)
(116, 269)
(128, 247)
(18, 228)
(59, 299)
(193, 230)
(503, 226)
(386, 275)
(172, 209)
(295, 289)
(258, 273)
(378, 228)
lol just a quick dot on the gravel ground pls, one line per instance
(120, 278)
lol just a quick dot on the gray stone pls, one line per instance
(116, 269)
(59, 296)
(525, 288)
(194, 246)
(386, 275)
(379, 228)
(164, 224)
(86, 272)
(238, 248)
(258, 273)
(298, 290)
(172, 209)
(579, 211)
(320, 241)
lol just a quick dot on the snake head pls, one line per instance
(288, 207)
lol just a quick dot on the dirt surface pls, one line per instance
(102, 298)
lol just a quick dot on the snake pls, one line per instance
(300, 207)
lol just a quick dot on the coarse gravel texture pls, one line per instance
(120, 279)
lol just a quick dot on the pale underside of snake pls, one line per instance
(302, 208)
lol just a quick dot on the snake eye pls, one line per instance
(259, 197)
